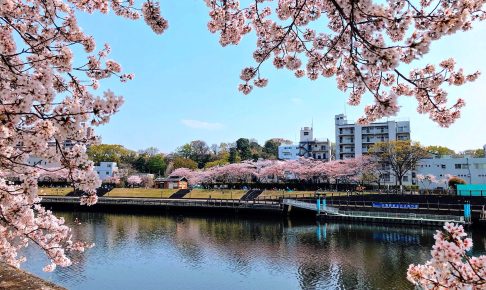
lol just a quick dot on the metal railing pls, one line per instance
(310, 206)
(374, 214)
(404, 216)
(169, 202)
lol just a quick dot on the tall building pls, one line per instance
(308, 147)
(355, 140)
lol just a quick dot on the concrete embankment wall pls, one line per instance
(15, 279)
(165, 206)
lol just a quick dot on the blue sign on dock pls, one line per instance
(395, 205)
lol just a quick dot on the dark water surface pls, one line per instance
(168, 252)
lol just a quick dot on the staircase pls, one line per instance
(251, 194)
(180, 193)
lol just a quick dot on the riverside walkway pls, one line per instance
(329, 212)
(169, 203)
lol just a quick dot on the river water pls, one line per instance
(175, 252)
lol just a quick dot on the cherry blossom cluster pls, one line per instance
(360, 43)
(112, 180)
(50, 76)
(134, 180)
(276, 170)
(451, 266)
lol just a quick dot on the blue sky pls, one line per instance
(185, 88)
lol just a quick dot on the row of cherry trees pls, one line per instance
(277, 170)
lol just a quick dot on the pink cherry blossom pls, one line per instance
(50, 102)
(360, 43)
(134, 180)
(451, 267)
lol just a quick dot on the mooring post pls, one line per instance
(318, 204)
(324, 204)
(467, 212)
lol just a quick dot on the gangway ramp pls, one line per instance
(392, 216)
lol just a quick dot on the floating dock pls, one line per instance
(325, 212)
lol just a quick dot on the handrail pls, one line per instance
(169, 202)
(375, 214)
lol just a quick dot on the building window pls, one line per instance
(306, 133)
(480, 165)
(405, 178)
(443, 166)
(457, 166)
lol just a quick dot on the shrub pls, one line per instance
(454, 181)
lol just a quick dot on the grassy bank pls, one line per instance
(141, 192)
(54, 191)
(217, 194)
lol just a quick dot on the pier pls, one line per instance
(325, 212)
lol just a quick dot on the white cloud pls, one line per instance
(196, 124)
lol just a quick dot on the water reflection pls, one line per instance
(154, 252)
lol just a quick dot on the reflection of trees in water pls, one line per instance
(349, 255)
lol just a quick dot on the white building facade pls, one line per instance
(314, 148)
(106, 170)
(288, 152)
(308, 147)
(472, 170)
(354, 140)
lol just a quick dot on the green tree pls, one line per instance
(217, 162)
(110, 153)
(243, 148)
(270, 148)
(156, 164)
(200, 152)
(180, 162)
(234, 156)
(439, 150)
(256, 150)
(184, 151)
(401, 156)
(140, 163)
(476, 153)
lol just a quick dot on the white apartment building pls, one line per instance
(472, 170)
(354, 140)
(308, 147)
(289, 152)
(106, 170)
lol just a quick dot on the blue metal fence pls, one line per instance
(471, 190)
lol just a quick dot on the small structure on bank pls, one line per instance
(171, 182)
(471, 190)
